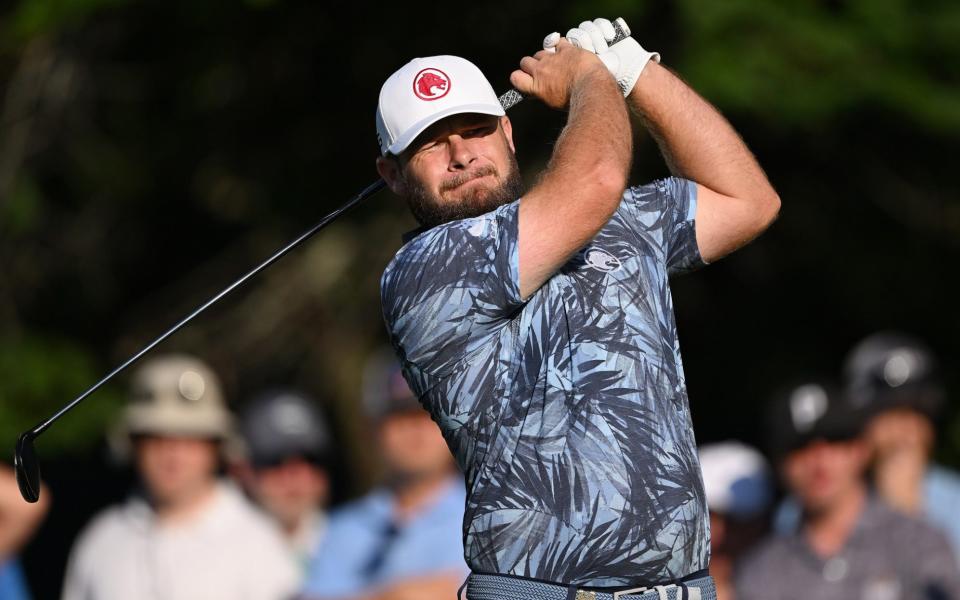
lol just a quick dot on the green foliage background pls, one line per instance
(152, 151)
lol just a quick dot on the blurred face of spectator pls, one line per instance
(822, 472)
(176, 469)
(900, 429)
(291, 490)
(412, 446)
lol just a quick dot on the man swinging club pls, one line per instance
(537, 327)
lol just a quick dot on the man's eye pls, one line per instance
(429, 146)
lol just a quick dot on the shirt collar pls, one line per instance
(219, 510)
(410, 235)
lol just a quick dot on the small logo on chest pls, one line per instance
(601, 260)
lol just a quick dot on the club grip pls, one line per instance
(512, 97)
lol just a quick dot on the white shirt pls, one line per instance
(228, 552)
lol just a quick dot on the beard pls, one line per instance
(431, 210)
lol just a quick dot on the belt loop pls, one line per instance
(571, 592)
(688, 593)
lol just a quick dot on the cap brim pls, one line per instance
(412, 132)
(199, 423)
(318, 458)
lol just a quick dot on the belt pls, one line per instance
(499, 587)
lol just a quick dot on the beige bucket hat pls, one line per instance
(174, 395)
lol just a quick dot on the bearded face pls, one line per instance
(463, 195)
(462, 166)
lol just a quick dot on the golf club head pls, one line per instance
(27, 468)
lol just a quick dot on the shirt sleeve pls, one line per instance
(453, 288)
(664, 213)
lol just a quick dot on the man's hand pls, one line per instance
(18, 519)
(551, 76)
(625, 59)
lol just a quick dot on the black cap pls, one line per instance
(889, 370)
(282, 424)
(808, 411)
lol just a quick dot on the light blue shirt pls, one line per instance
(12, 585)
(941, 498)
(364, 549)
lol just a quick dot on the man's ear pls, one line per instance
(508, 131)
(389, 170)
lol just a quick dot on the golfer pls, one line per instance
(537, 326)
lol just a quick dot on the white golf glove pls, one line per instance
(625, 59)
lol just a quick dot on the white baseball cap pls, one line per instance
(426, 90)
(736, 479)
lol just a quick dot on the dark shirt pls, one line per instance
(888, 556)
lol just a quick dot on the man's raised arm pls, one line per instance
(735, 202)
(584, 181)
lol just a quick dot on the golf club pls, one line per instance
(25, 462)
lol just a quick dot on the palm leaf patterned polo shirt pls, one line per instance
(567, 411)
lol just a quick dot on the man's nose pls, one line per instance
(461, 152)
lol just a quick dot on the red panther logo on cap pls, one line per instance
(431, 84)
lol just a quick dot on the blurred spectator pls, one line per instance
(739, 492)
(185, 535)
(288, 444)
(18, 521)
(403, 540)
(895, 379)
(849, 544)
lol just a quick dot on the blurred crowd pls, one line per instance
(843, 501)
(864, 513)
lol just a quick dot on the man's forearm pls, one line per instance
(595, 130)
(583, 183)
(696, 141)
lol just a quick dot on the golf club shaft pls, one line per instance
(507, 100)
(366, 192)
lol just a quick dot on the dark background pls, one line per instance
(151, 152)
